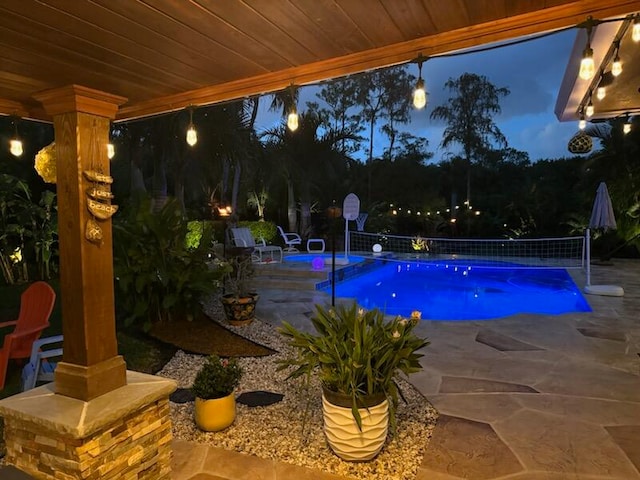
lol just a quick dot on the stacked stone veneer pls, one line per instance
(133, 445)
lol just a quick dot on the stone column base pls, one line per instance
(125, 433)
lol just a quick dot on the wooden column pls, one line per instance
(91, 365)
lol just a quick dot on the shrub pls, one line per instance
(266, 230)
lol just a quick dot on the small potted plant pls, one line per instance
(357, 354)
(239, 300)
(215, 407)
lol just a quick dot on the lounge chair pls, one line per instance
(291, 239)
(41, 367)
(261, 253)
(36, 305)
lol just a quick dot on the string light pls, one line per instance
(292, 118)
(590, 110)
(616, 66)
(635, 32)
(420, 94)
(587, 65)
(626, 128)
(111, 151)
(582, 124)
(192, 134)
(15, 144)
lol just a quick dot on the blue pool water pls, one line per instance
(308, 257)
(459, 292)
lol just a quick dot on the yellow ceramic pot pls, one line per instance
(215, 414)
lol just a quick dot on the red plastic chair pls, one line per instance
(36, 304)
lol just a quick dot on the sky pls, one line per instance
(532, 71)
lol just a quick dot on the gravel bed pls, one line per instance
(283, 431)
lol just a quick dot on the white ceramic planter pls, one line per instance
(344, 436)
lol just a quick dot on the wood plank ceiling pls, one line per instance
(165, 55)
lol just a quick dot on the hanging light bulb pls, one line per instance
(420, 95)
(626, 128)
(616, 66)
(587, 66)
(15, 144)
(292, 118)
(192, 134)
(582, 124)
(601, 92)
(635, 32)
(111, 151)
(589, 110)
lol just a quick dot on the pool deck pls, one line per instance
(527, 397)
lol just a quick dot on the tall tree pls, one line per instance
(469, 113)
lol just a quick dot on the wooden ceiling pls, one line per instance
(165, 55)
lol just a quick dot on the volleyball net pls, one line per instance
(562, 252)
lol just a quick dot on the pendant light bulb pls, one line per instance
(582, 124)
(15, 144)
(601, 92)
(616, 66)
(111, 151)
(15, 147)
(589, 110)
(419, 95)
(626, 128)
(292, 120)
(635, 32)
(192, 134)
(587, 66)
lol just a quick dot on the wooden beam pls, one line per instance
(521, 25)
(91, 365)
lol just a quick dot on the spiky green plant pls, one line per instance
(356, 352)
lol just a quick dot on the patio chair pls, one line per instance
(290, 239)
(36, 305)
(40, 367)
(261, 253)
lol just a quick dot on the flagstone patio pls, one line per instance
(527, 397)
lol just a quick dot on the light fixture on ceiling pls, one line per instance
(626, 128)
(292, 118)
(616, 66)
(192, 134)
(15, 144)
(635, 31)
(420, 95)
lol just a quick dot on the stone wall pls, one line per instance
(137, 446)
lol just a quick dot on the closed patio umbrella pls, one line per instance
(602, 216)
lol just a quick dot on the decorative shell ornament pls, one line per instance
(102, 211)
(93, 232)
(580, 143)
(46, 163)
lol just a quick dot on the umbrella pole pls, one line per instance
(588, 247)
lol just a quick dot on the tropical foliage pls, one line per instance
(158, 276)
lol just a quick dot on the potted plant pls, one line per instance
(215, 407)
(357, 354)
(239, 300)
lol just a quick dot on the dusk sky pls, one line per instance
(532, 71)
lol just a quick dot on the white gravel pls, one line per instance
(283, 431)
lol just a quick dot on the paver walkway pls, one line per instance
(527, 397)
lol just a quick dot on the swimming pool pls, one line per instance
(326, 257)
(450, 291)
